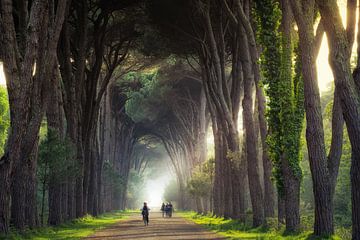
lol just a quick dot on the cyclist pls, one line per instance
(145, 213)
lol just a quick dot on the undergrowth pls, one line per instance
(234, 229)
(75, 229)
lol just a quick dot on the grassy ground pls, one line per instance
(76, 229)
(236, 230)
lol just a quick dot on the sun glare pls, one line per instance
(325, 76)
(2, 75)
(155, 190)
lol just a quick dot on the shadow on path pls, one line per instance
(159, 228)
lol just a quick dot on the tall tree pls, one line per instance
(248, 57)
(324, 168)
(22, 44)
(56, 127)
(340, 44)
(208, 29)
(286, 106)
(95, 41)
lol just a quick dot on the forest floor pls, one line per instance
(76, 229)
(176, 227)
(183, 225)
(233, 229)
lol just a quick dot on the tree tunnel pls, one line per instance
(217, 106)
(164, 113)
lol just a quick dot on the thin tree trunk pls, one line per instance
(243, 181)
(256, 192)
(269, 195)
(43, 193)
(55, 120)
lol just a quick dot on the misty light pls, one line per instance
(155, 191)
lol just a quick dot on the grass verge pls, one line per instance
(233, 229)
(75, 229)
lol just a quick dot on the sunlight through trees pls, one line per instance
(244, 110)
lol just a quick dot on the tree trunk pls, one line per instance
(289, 118)
(55, 199)
(269, 195)
(27, 94)
(93, 183)
(5, 194)
(19, 109)
(64, 200)
(340, 53)
(18, 190)
(31, 213)
(218, 192)
(256, 192)
(243, 181)
(292, 197)
(314, 124)
(79, 182)
(281, 209)
(71, 213)
(355, 196)
(316, 147)
(56, 125)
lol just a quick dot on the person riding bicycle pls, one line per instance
(145, 213)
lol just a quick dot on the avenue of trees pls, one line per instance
(97, 91)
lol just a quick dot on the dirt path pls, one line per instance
(159, 228)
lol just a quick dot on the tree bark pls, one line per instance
(256, 191)
(291, 117)
(339, 58)
(269, 194)
(55, 121)
(314, 128)
(27, 97)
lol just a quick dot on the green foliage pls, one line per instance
(135, 189)
(171, 193)
(55, 163)
(56, 155)
(145, 102)
(285, 111)
(292, 109)
(201, 181)
(268, 17)
(342, 200)
(112, 177)
(4, 118)
(76, 229)
(235, 229)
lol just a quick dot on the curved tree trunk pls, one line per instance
(340, 52)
